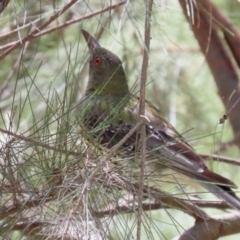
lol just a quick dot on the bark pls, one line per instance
(206, 23)
(213, 228)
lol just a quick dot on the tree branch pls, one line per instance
(214, 228)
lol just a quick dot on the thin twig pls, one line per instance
(90, 178)
(112, 151)
(148, 4)
(30, 36)
(185, 205)
(215, 157)
(37, 143)
(60, 26)
(13, 70)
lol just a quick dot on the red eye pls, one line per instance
(97, 61)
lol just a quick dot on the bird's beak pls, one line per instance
(91, 41)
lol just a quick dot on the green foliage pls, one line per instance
(44, 159)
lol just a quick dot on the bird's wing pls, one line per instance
(111, 122)
(169, 148)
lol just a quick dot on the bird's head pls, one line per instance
(106, 73)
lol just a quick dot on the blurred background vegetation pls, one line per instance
(41, 80)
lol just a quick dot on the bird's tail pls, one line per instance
(186, 161)
(214, 183)
(222, 193)
(220, 187)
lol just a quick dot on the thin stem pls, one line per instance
(148, 4)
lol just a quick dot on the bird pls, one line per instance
(109, 110)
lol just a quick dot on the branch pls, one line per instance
(7, 211)
(218, 59)
(214, 228)
(149, 4)
(231, 34)
(38, 29)
(60, 26)
(215, 157)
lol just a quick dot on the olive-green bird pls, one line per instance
(109, 112)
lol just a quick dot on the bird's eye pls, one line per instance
(97, 61)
